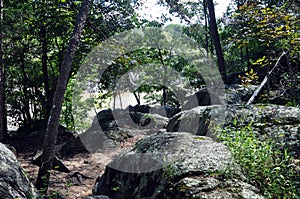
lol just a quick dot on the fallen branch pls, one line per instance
(257, 91)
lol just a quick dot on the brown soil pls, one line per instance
(66, 185)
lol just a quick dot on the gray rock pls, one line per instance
(280, 123)
(108, 120)
(197, 120)
(97, 197)
(71, 147)
(165, 111)
(237, 94)
(174, 165)
(202, 98)
(13, 181)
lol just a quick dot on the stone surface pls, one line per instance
(174, 165)
(13, 181)
(97, 197)
(280, 123)
(111, 127)
(202, 98)
(165, 111)
(237, 94)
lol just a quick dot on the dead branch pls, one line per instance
(257, 91)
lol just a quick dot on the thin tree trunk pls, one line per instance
(26, 101)
(3, 118)
(137, 98)
(164, 97)
(48, 104)
(216, 38)
(2, 108)
(206, 26)
(53, 121)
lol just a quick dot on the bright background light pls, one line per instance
(152, 11)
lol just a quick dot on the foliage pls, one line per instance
(266, 167)
(36, 37)
(159, 62)
(256, 33)
(249, 78)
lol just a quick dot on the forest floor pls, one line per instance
(67, 185)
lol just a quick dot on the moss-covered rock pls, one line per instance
(174, 165)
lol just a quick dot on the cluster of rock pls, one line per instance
(187, 165)
(179, 157)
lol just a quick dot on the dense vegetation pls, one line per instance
(245, 43)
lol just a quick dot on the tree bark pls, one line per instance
(216, 38)
(48, 102)
(206, 26)
(3, 123)
(53, 121)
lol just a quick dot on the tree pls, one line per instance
(53, 121)
(181, 8)
(263, 30)
(2, 113)
(216, 38)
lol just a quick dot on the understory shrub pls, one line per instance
(268, 168)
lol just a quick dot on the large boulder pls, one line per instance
(202, 97)
(238, 94)
(13, 181)
(174, 165)
(112, 127)
(197, 120)
(165, 111)
(109, 119)
(280, 123)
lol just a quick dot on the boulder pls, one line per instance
(107, 120)
(165, 111)
(202, 98)
(174, 165)
(71, 147)
(139, 108)
(238, 94)
(13, 181)
(196, 120)
(97, 197)
(280, 123)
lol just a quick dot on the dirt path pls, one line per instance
(67, 185)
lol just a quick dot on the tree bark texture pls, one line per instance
(53, 121)
(216, 39)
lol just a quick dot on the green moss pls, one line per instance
(200, 138)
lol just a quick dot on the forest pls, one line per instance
(76, 71)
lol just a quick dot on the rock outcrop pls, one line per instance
(174, 165)
(111, 127)
(280, 123)
(13, 181)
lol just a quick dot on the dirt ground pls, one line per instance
(67, 185)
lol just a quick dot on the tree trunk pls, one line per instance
(206, 26)
(26, 94)
(137, 98)
(3, 121)
(53, 121)
(1, 81)
(216, 38)
(48, 102)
